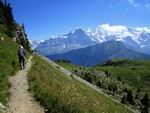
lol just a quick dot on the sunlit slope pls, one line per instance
(60, 94)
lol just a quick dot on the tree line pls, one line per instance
(13, 29)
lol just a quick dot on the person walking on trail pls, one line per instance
(21, 55)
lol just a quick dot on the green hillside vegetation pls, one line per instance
(59, 94)
(9, 63)
(133, 72)
(123, 79)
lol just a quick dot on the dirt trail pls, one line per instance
(21, 101)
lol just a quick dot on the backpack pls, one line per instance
(21, 52)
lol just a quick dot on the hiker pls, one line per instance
(21, 55)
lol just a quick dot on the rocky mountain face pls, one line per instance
(93, 55)
(73, 40)
(137, 39)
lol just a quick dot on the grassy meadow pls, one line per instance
(58, 94)
(133, 72)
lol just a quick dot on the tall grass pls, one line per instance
(58, 94)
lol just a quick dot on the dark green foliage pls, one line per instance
(106, 72)
(145, 101)
(88, 77)
(99, 84)
(7, 19)
(130, 97)
(139, 90)
(145, 110)
(115, 88)
(119, 78)
(123, 100)
(137, 96)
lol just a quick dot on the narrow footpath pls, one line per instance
(21, 100)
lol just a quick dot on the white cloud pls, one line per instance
(147, 6)
(131, 2)
(118, 30)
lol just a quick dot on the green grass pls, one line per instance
(9, 64)
(133, 72)
(59, 94)
(67, 65)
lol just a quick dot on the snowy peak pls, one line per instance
(77, 30)
(106, 32)
(73, 40)
(35, 43)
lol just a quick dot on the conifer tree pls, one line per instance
(145, 101)
(1, 12)
(130, 97)
(123, 100)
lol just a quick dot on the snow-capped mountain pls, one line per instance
(137, 39)
(35, 43)
(73, 40)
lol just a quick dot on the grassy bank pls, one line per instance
(59, 94)
(9, 63)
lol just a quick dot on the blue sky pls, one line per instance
(46, 18)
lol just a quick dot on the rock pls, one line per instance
(14, 39)
(2, 39)
(2, 106)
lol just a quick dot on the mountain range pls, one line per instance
(61, 44)
(137, 39)
(93, 55)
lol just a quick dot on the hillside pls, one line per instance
(99, 53)
(8, 63)
(11, 37)
(118, 77)
(58, 93)
(132, 72)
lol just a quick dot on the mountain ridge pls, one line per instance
(93, 55)
(137, 38)
(73, 40)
